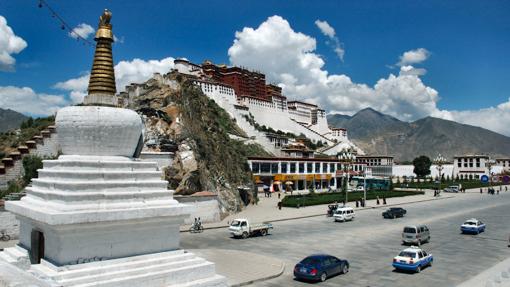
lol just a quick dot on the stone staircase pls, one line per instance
(250, 130)
(172, 268)
(43, 145)
(328, 141)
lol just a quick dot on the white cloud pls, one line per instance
(126, 72)
(9, 44)
(288, 57)
(493, 118)
(414, 57)
(410, 70)
(83, 30)
(329, 31)
(26, 101)
(325, 28)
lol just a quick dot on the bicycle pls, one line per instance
(196, 228)
(4, 236)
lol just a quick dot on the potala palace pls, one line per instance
(245, 95)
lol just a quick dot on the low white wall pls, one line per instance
(207, 208)
(163, 159)
(9, 223)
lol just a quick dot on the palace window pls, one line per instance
(309, 167)
(284, 167)
(265, 167)
(317, 167)
(255, 167)
(274, 167)
(292, 167)
(301, 167)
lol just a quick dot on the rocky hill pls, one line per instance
(377, 133)
(210, 150)
(10, 119)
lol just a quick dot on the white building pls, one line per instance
(470, 166)
(504, 163)
(321, 173)
(379, 165)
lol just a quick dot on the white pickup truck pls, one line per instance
(241, 227)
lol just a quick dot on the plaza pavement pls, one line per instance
(244, 268)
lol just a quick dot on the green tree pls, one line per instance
(422, 166)
(31, 163)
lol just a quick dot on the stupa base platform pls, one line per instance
(177, 268)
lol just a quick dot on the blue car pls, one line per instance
(412, 259)
(473, 226)
(319, 267)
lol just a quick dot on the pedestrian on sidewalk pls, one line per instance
(279, 194)
(357, 203)
(384, 200)
(377, 200)
(280, 205)
(481, 190)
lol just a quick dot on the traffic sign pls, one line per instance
(484, 178)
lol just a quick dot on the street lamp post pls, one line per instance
(347, 157)
(490, 163)
(439, 161)
(367, 170)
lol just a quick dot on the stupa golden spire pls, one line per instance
(101, 90)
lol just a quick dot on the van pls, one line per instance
(344, 213)
(415, 234)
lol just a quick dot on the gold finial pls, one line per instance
(104, 29)
(101, 90)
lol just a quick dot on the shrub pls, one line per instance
(327, 198)
(31, 163)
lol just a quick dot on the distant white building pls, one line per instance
(379, 165)
(470, 166)
(504, 163)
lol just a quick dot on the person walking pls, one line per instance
(481, 190)
(384, 200)
(377, 200)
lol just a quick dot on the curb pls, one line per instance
(323, 214)
(282, 269)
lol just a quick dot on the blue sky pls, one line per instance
(466, 42)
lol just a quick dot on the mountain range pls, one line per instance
(381, 134)
(10, 119)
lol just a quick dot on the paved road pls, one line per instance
(370, 242)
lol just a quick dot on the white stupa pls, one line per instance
(96, 216)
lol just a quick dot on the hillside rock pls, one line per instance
(178, 117)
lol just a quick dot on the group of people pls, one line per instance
(492, 190)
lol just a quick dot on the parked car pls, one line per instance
(243, 228)
(415, 234)
(319, 267)
(412, 258)
(452, 188)
(394, 212)
(344, 213)
(472, 225)
(360, 188)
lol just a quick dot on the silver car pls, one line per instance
(415, 234)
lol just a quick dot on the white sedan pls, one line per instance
(472, 225)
